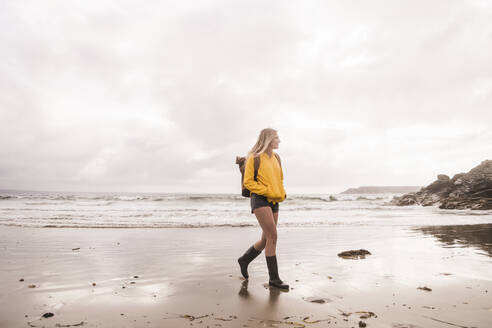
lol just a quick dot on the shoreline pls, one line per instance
(189, 277)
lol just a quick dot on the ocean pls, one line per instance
(179, 210)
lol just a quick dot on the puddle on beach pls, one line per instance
(471, 235)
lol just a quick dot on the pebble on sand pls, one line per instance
(354, 254)
(318, 300)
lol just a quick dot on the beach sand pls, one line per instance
(190, 278)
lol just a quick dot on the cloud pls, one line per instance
(162, 96)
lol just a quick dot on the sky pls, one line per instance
(161, 96)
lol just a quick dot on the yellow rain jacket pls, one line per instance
(270, 178)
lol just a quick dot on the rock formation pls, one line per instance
(471, 190)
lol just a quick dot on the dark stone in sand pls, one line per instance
(362, 324)
(367, 314)
(472, 190)
(354, 254)
(21, 279)
(48, 315)
(318, 300)
(135, 276)
(427, 289)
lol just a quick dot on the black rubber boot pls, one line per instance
(247, 257)
(273, 273)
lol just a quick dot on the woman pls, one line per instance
(267, 191)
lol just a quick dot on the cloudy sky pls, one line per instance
(161, 96)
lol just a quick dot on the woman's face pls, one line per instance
(275, 142)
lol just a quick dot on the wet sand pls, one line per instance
(190, 278)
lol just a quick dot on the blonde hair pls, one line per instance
(264, 139)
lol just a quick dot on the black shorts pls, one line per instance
(260, 201)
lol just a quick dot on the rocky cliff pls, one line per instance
(471, 190)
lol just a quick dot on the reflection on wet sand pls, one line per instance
(471, 235)
(273, 292)
(243, 292)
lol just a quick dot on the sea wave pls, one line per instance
(129, 226)
(173, 225)
(369, 198)
(45, 203)
(318, 198)
(306, 208)
(110, 198)
(124, 198)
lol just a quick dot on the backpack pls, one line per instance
(241, 162)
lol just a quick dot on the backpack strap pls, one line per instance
(278, 159)
(257, 166)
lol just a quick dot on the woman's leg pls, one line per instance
(260, 244)
(256, 249)
(266, 220)
(275, 217)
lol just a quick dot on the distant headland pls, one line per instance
(382, 189)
